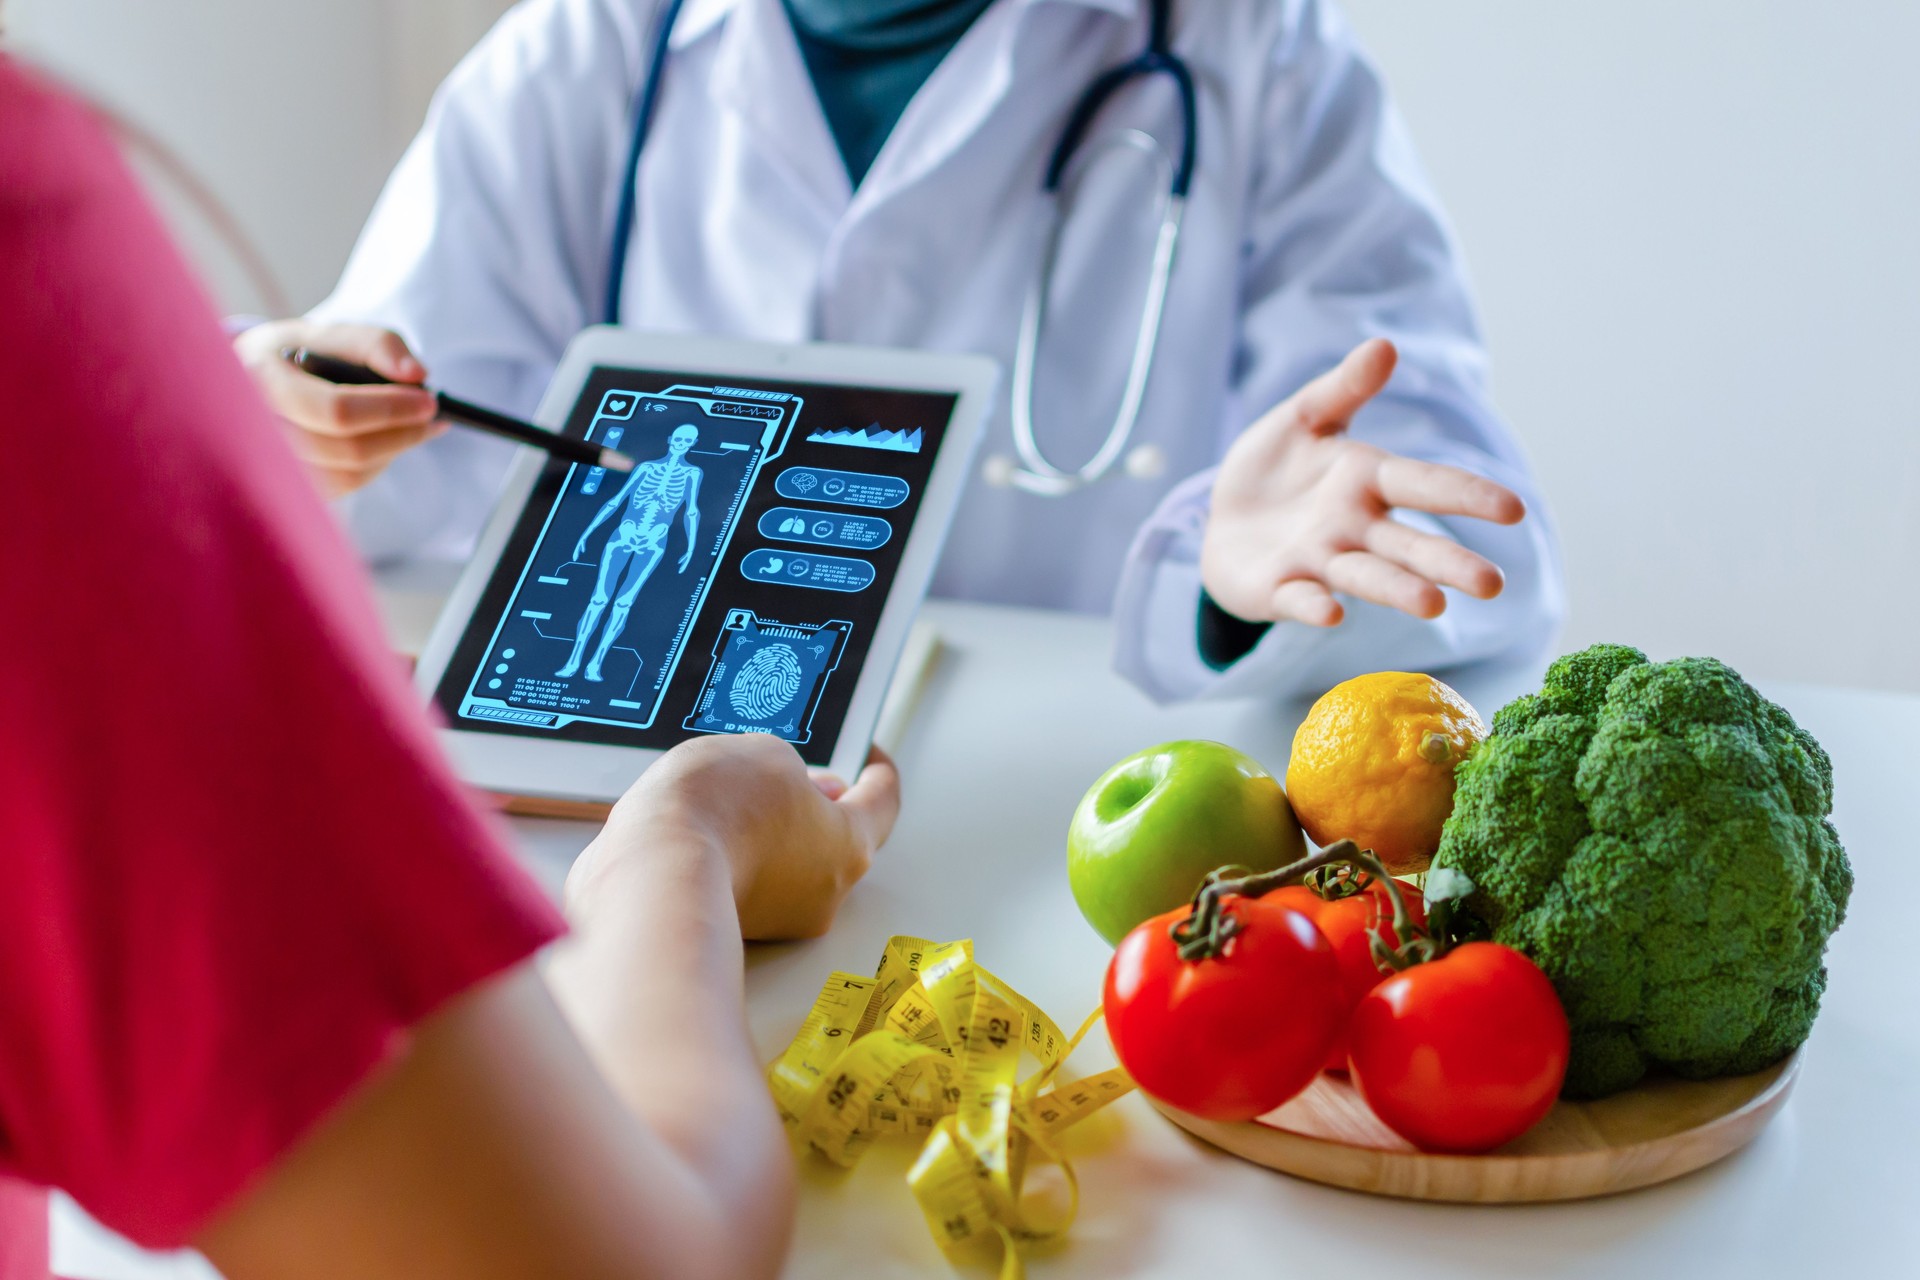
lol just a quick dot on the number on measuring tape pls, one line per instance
(902, 1044)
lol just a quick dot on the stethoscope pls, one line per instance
(1032, 471)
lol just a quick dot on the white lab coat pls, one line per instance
(1309, 228)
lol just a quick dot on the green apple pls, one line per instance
(1147, 833)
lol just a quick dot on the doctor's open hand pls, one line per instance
(345, 435)
(1301, 510)
(789, 842)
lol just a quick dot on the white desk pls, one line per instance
(1020, 717)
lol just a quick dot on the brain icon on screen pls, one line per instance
(805, 481)
(767, 683)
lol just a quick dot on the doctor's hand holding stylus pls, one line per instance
(345, 435)
(1301, 510)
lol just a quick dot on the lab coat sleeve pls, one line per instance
(1345, 242)
(487, 250)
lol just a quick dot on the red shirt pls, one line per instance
(233, 868)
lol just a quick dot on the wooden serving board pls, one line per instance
(1657, 1131)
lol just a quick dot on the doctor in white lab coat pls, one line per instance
(1371, 513)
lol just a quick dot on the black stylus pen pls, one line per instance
(348, 374)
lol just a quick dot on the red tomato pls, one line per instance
(1462, 1053)
(1233, 1036)
(1347, 922)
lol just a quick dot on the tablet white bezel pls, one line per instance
(592, 771)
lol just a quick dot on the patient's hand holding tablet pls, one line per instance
(756, 573)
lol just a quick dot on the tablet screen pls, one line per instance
(729, 584)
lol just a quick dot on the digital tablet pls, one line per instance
(756, 573)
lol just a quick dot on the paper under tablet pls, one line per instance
(756, 574)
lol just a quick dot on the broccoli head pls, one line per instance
(1654, 835)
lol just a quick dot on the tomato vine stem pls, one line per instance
(1209, 927)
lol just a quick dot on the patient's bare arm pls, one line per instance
(610, 1120)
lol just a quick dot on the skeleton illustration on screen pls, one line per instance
(646, 503)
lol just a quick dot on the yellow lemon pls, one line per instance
(1373, 763)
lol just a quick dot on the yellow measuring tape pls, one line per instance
(930, 1046)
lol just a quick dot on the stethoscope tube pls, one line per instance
(1034, 472)
(643, 109)
(1158, 58)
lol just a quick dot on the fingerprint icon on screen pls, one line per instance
(767, 682)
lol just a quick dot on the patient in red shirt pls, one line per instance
(263, 979)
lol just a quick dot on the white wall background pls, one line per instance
(1696, 231)
(1695, 227)
(292, 111)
